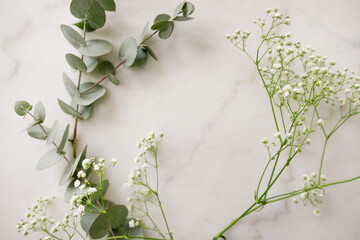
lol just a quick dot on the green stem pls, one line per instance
(322, 158)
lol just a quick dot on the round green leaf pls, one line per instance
(37, 132)
(73, 37)
(141, 57)
(166, 31)
(150, 52)
(69, 110)
(88, 219)
(106, 67)
(108, 5)
(97, 195)
(65, 175)
(113, 79)
(161, 18)
(85, 111)
(91, 63)
(63, 140)
(39, 112)
(96, 48)
(75, 62)
(96, 15)
(90, 96)
(100, 227)
(71, 189)
(178, 9)
(128, 51)
(48, 159)
(117, 215)
(143, 34)
(188, 9)
(70, 86)
(79, 8)
(52, 133)
(22, 107)
(181, 18)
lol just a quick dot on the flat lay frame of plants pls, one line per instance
(98, 217)
(299, 83)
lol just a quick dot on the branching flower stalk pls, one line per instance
(301, 85)
(147, 194)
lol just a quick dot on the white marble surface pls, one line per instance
(203, 94)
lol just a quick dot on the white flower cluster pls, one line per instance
(36, 220)
(78, 201)
(313, 194)
(144, 194)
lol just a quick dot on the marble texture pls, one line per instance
(203, 94)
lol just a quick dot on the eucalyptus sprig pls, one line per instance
(100, 218)
(301, 84)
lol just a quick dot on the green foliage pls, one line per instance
(73, 37)
(141, 57)
(88, 28)
(52, 132)
(63, 140)
(100, 226)
(48, 159)
(96, 48)
(85, 111)
(126, 230)
(88, 97)
(39, 112)
(70, 169)
(117, 215)
(107, 68)
(128, 51)
(91, 63)
(22, 107)
(97, 195)
(38, 132)
(108, 5)
(70, 86)
(75, 62)
(69, 110)
(89, 11)
(150, 52)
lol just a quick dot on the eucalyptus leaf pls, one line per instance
(22, 107)
(178, 9)
(30, 125)
(78, 161)
(70, 86)
(128, 51)
(141, 57)
(39, 112)
(73, 37)
(52, 132)
(118, 215)
(113, 79)
(69, 110)
(161, 18)
(167, 30)
(65, 175)
(85, 111)
(88, 219)
(37, 132)
(88, 28)
(143, 34)
(150, 52)
(106, 67)
(91, 63)
(48, 159)
(79, 8)
(96, 15)
(181, 18)
(90, 96)
(108, 5)
(100, 227)
(188, 9)
(97, 195)
(63, 140)
(75, 62)
(96, 48)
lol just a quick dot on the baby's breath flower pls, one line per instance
(86, 163)
(264, 140)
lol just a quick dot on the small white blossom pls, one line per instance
(77, 183)
(132, 223)
(86, 163)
